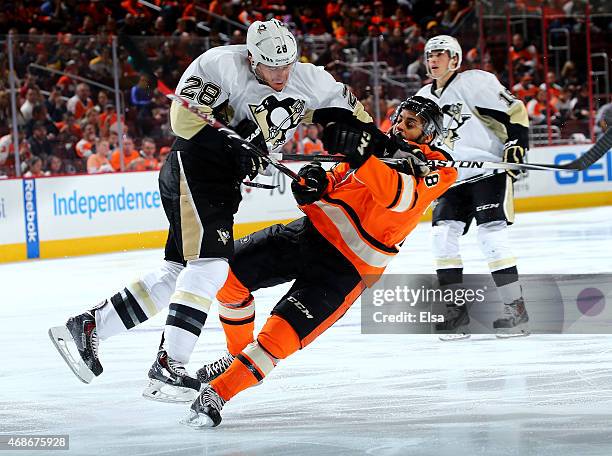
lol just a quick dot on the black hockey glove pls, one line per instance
(514, 153)
(355, 143)
(248, 163)
(412, 160)
(316, 180)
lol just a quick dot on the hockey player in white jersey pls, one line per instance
(483, 121)
(262, 93)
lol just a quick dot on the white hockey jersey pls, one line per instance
(480, 115)
(222, 78)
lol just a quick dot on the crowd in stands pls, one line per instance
(69, 126)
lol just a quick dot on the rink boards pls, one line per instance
(79, 215)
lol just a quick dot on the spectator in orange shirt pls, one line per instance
(536, 108)
(69, 126)
(553, 87)
(525, 89)
(107, 118)
(65, 82)
(147, 161)
(311, 143)
(129, 155)
(524, 56)
(98, 162)
(84, 148)
(80, 103)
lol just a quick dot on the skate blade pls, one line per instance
(513, 334)
(453, 337)
(197, 420)
(509, 333)
(159, 391)
(62, 340)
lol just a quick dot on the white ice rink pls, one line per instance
(346, 394)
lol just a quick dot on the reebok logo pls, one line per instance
(31, 218)
(300, 306)
(2, 209)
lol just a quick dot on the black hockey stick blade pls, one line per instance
(599, 149)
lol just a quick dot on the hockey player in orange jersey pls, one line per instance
(357, 215)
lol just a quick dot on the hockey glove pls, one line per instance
(412, 160)
(514, 153)
(248, 163)
(316, 180)
(356, 144)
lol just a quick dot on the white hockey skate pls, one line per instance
(455, 324)
(77, 343)
(206, 410)
(514, 321)
(169, 381)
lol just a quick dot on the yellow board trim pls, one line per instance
(13, 252)
(102, 244)
(556, 202)
(156, 239)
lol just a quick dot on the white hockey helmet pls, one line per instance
(271, 43)
(444, 43)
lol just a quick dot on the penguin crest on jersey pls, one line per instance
(276, 117)
(451, 134)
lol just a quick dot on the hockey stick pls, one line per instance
(141, 61)
(597, 151)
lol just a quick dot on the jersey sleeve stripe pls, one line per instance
(407, 196)
(398, 193)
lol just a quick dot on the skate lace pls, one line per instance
(209, 397)
(177, 368)
(220, 365)
(91, 335)
(94, 342)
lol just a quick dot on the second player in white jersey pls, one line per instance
(481, 119)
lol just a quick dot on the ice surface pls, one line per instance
(346, 394)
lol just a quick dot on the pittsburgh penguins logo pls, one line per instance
(456, 122)
(276, 117)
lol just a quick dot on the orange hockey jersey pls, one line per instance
(367, 213)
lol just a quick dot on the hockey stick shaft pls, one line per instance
(435, 163)
(597, 151)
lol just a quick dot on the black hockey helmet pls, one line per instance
(426, 109)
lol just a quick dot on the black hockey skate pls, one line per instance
(79, 331)
(514, 321)
(205, 410)
(455, 323)
(210, 371)
(169, 381)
